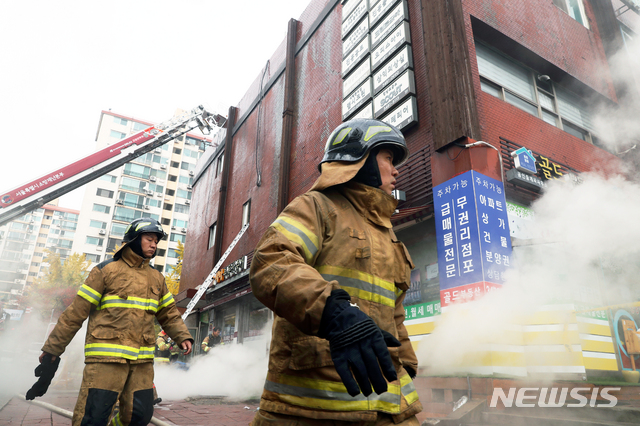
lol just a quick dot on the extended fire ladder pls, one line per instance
(36, 193)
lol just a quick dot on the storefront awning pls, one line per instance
(184, 297)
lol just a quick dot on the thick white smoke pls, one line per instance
(586, 251)
(233, 371)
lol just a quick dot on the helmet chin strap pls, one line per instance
(369, 174)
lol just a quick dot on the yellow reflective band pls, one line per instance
(166, 300)
(297, 233)
(116, 420)
(89, 294)
(408, 389)
(129, 302)
(111, 350)
(330, 395)
(340, 136)
(142, 224)
(374, 130)
(362, 285)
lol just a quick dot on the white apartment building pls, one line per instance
(157, 185)
(23, 242)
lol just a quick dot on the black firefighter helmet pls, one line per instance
(138, 227)
(353, 139)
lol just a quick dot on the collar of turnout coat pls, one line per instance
(133, 259)
(337, 172)
(374, 204)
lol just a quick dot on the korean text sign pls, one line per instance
(472, 232)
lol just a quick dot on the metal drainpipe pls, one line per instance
(287, 116)
(224, 181)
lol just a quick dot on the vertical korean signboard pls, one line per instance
(472, 231)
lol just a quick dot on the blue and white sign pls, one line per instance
(524, 161)
(472, 230)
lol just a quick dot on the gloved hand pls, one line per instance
(357, 345)
(45, 371)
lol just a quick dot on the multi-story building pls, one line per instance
(23, 245)
(524, 77)
(157, 185)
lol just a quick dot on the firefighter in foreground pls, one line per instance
(335, 275)
(121, 296)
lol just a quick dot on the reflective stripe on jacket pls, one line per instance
(340, 237)
(120, 298)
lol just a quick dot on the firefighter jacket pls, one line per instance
(339, 237)
(210, 341)
(121, 298)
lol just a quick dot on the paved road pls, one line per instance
(194, 411)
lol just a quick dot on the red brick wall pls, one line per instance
(536, 24)
(543, 28)
(546, 30)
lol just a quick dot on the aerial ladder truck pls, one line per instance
(34, 194)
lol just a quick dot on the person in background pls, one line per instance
(211, 340)
(332, 270)
(120, 297)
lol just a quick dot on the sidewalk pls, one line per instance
(192, 412)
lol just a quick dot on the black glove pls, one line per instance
(45, 371)
(411, 371)
(357, 345)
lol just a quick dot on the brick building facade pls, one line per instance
(511, 73)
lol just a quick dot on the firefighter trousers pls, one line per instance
(105, 383)
(267, 418)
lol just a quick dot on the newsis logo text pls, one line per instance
(555, 397)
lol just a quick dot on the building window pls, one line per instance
(33, 274)
(124, 214)
(158, 267)
(175, 164)
(178, 237)
(119, 120)
(573, 8)
(186, 180)
(117, 135)
(95, 241)
(219, 163)
(162, 252)
(180, 223)
(212, 236)
(118, 229)
(137, 170)
(246, 212)
(104, 193)
(93, 258)
(100, 208)
(166, 221)
(518, 85)
(187, 166)
(181, 208)
(168, 206)
(108, 178)
(177, 151)
(173, 178)
(131, 200)
(170, 192)
(184, 194)
(172, 253)
(40, 245)
(139, 126)
(38, 254)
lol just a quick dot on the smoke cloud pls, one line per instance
(233, 371)
(584, 249)
(619, 129)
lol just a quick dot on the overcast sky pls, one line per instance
(63, 62)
